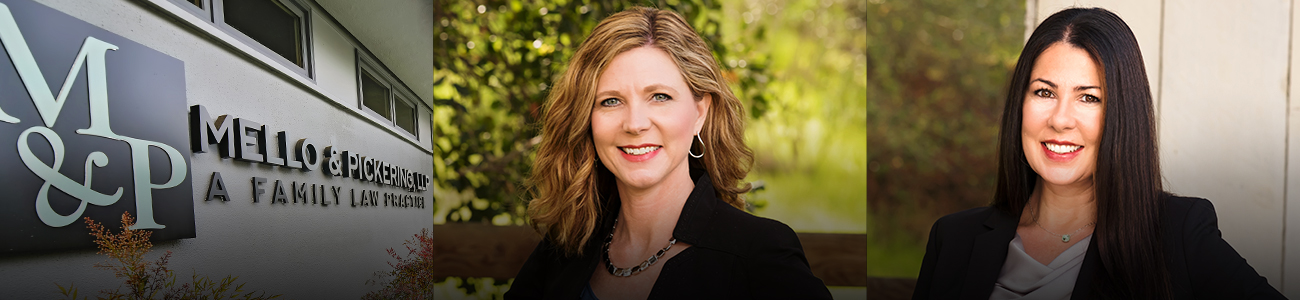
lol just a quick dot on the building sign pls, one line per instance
(253, 142)
(91, 125)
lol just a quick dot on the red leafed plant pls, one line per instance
(151, 280)
(143, 278)
(411, 276)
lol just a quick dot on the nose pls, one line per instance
(1062, 118)
(638, 119)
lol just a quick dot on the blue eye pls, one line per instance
(661, 97)
(609, 102)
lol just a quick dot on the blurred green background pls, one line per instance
(800, 66)
(938, 77)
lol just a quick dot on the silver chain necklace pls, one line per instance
(1065, 238)
(621, 272)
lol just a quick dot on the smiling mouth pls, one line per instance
(1062, 149)
(639, 150)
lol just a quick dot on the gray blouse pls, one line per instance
(1023, 277)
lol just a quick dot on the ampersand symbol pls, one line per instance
(52, 177)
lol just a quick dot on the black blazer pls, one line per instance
(966, 250)
(733, 255)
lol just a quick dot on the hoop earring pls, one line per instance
(692, 153)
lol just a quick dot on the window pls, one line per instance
(277, 28)
(270, 23)
(375, 95)
(279, 32)
(382, 95)
(405, 114)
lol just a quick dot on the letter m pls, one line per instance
(205, 132)
(47, 104)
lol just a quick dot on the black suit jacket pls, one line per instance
(966, 250)
(733, 255)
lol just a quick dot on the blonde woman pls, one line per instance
(638, 178)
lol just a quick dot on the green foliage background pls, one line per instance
(938, 73)
(799, 66)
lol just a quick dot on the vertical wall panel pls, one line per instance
(1223, 117)
(1291, 259)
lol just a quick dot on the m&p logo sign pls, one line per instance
(90, 126)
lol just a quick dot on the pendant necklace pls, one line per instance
(1065, 238)
(621, 272)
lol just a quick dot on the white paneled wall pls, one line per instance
(1220, 72)
(1223, 119)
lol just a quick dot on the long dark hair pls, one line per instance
(1127, 181)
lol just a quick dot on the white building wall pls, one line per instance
(336, 71)
(303, 252)
(1221, 76)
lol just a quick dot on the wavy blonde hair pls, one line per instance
(570, 186)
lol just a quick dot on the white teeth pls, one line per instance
(639, 151)
(1062, 149)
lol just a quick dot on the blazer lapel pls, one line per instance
(1083, 285)
(988, 254)
(575, 272)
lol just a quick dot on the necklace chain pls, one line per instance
(1065, 238)
(622, 272)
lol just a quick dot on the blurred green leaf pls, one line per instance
(938, 74)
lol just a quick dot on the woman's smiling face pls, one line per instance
(644, 118)
(1063, 110)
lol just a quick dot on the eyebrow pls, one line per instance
(658, 86)
(1053, 85)
(607, 94)
(648, 89)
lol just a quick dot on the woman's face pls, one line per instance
(644, 118)
(1063, 111)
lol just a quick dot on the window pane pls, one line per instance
(405, 116)
(374, 95)
(268, 22)
(198, 3)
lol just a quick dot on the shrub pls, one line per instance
(151, 280)
(411, 276)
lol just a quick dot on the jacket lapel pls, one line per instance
(988, 253)
(697, 214)
(575, 272)
(1083, 285)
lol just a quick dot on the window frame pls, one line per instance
(362, 71)
(398, 98)
(203, 11)
(304, 13)
(365, 64)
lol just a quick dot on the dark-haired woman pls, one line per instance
(1079, 210)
